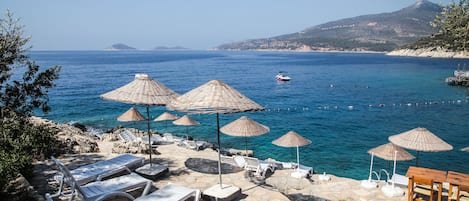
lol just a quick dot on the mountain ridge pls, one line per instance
(373, 32)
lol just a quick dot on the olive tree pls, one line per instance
(20, 96)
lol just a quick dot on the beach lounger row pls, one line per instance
(117, 186)
(193, 144)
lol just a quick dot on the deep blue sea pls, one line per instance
(345, 103)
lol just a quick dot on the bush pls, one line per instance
(21, 143)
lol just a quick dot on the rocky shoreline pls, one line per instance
(434, 52)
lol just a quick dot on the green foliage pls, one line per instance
(21, 141)
(453, 28)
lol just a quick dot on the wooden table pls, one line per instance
(437, 176)
(457, 179)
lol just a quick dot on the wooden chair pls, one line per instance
(462, 194)
(423, 187)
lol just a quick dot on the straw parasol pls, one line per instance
(387, 152)
(292, 139)
(143, 90)
(214, 97)
(420, 139)
(244, 127)
(390, 152)
(166, 116)
(185, 121)
(131, 115)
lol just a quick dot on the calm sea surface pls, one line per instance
(345, 103)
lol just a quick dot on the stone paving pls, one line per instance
(279, 186)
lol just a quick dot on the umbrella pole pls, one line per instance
(371, 167)
(219, 151)
(394, 169)
(149, 134)
(298, 156)
(246, 145)
(417, 159)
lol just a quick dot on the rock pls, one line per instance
(80, 126)
(109, 137)
(436, 52)
(131, 147)
(74, 139)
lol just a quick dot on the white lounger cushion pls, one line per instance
(171, 192)
(123, 183)
(96, 171)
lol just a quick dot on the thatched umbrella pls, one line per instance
(186, 121)
(244, 127)
(131, 115)
(420, 139)
(390, 152)
(142, 91)
(214, 97)
(166, 116)
(292, 139)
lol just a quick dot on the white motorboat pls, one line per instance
(281, 76)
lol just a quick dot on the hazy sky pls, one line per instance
(196, 24)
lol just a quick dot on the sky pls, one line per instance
(196, 24)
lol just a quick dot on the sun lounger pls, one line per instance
(172, 192)
(260, 167)
(101, 169)
(400, 179)
(192, 144)
(237, 161)
(101, 190)
(302, 172)
(168, 137)
(128, 136)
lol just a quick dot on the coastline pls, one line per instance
(278, 186)
(429, 52)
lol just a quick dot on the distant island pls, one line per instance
(368, 33)
(120, 46)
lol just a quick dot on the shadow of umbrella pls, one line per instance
(244, 127)
(166, 116)
(208, 166)
(143, 90)
(420, 139)
(214, 97)
(186, 121)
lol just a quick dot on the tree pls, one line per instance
(20, 140)
(453, 25)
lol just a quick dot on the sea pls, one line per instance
(345, 103)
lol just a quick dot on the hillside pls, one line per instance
(376, 32)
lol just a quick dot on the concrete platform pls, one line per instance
(225, 193)
(152, 172)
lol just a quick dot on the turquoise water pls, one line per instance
(345, 103)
